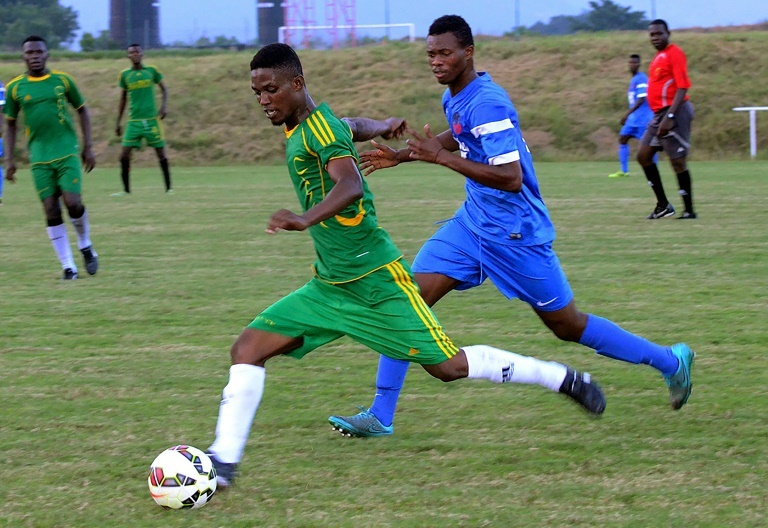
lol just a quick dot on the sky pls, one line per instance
(188, 20)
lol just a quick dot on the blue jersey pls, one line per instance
(484, 123)
(638, 87)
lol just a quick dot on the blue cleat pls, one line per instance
(362, 425)
(225, 472)
(680, 382)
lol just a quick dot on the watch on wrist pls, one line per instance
(670, 115)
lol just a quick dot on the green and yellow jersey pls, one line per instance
(140, 85)
(50, 133)
(351, 244)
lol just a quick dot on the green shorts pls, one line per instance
(53, 177)
(382, 310)
(149, 129)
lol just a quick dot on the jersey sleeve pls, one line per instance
(121, 80)
(679, 67)
(2, 94)
(329, 138)
(641, 86)
(74, 96)
(156, 75)
(494, 125)
(11, 108)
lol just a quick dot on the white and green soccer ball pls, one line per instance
(182, 477)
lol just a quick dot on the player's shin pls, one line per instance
(500, 366)
(240, 400)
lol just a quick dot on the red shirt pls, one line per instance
(667, 73)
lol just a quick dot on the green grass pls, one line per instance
(99, 375)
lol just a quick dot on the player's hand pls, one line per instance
(665, 126)
(89, 160)
(285, 220)
(397, 127)
(424, 148)
(10, 171)
(383, 157)
(118, 131)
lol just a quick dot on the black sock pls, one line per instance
(654, 178)
(125, 171)
(166, 173)
(684, 180)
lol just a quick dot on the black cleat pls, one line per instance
(661, 212)
(91, 260)
(225, 473)
(69, 274)
(687, 216)
(579, 387)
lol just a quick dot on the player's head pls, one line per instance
(450, 48)
(35, 53)
(277, 79)
(634, 63)
(135, 53)
(658, 31)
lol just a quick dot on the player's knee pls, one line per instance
(449, 370)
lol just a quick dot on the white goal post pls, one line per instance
(752, 125)
(411, 29)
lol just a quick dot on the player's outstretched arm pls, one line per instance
(365, 129)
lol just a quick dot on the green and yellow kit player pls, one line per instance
(144, 121)
(43, 95)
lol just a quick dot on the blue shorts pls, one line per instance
(632, 131)
(530, 273)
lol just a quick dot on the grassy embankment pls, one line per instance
(570, 92)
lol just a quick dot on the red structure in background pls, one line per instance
(337, 13)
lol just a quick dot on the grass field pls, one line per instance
(99, 375)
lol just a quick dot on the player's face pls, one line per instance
(634, 65)
(279, 94)
(659, 36)
(447, 58)
(35, 55)
(135, 53)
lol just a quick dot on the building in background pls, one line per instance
(135, 21)
(271, 16)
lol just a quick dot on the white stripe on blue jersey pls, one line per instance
(490, 128)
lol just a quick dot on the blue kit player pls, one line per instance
(501, 232)
(635, 121)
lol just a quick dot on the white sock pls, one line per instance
(60, 241)
(500, 366)
(83, 229)
(240, 399)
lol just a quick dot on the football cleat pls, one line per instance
(579, 387)
(680, 382)
(687, 216)
(225, 472)
(362, 425)
(69, 274)
(91, 260)
(661, 212)
(620, 174)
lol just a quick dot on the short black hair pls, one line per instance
(34, 38)
(456, 25)
(277, 56)
(134, 45)
(634, 56)
(660, 22)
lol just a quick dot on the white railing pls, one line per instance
(411, 29)
(752, 125)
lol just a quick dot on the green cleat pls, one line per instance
(619, 174)
(680, 382)
(362, 425)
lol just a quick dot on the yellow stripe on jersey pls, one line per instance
(351, 222)
(403, 280)
(324, 125)
(324, 140)
(64, 77)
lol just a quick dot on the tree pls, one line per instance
(55, 23)
(607, 16)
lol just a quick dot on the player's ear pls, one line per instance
(298, 83)
(470, 51)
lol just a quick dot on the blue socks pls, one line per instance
(624, 157)
(389, 380)
(610, 340)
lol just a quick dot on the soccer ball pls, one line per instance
(182, 477)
